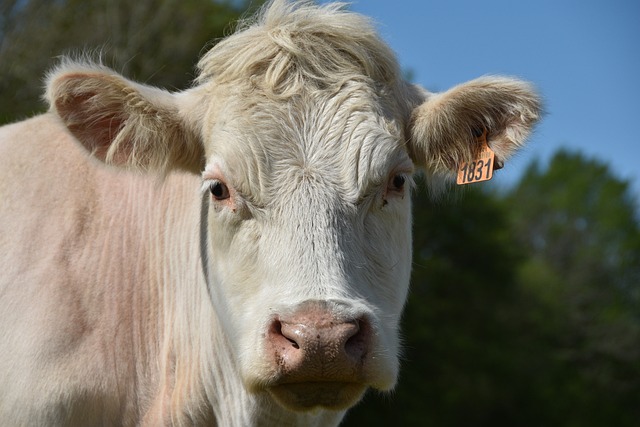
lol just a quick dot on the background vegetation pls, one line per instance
(525, 303)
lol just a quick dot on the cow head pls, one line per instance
(306, 139)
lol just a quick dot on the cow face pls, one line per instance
(309, 235)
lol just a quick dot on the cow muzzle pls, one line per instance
(318, 356)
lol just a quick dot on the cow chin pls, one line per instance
(307, 396)
(306, 390)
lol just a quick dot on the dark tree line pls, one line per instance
(525, 304)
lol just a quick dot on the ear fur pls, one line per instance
(121, 122)
(444, 129)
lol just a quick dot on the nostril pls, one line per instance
(350, 329)
(293, 343)
(357, 344)
(287, 333)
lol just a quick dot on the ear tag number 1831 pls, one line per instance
(481, 168)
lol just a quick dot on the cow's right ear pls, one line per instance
(121, 122)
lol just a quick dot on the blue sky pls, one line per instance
(583, 56)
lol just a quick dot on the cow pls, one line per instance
(234, 254)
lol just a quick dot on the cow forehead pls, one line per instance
(350, 140)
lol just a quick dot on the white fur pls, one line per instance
(131, 299)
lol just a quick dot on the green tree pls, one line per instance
(154, 41)
(580, 228)
(578, 218)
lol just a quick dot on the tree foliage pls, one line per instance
(579, 225)
(155, 41)
(584, 226)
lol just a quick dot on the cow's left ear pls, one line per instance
(121, 122)
(444, 129)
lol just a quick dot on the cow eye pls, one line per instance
(219, 190)
(397, 183)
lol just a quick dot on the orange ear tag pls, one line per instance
(480, 169)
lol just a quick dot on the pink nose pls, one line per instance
(315, 345)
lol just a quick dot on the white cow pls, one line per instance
(256, 271)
